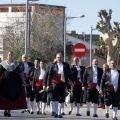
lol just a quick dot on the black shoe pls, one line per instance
(38, 112)
(78, 115)
(44, 113)
(95, 115)
(63, 113)
(8, 115)
(27, 111)
(5, 113)
(32, 112)
(56, 115)
(81, 104)
(53, 113)
(69, 112)
(88, 113)
(106, 115)
(23, 111)
(115, 118)
(60, 116)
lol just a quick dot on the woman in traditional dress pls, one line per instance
(12, 94)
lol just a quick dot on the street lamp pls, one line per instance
(91, 45)
(26, 30)
(65, 20)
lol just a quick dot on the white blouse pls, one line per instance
(114, 79)
(60, 71)
(26, 68)
(95, 79)
(42, 73)
(79, 74)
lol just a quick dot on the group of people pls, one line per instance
(23, 82)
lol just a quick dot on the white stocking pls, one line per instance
(78, 108)
(88, 106)
(43, 107)
(95, 108)
(115, 109)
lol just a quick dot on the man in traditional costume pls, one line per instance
(110, 87)
(91, 80)
(30, 76)
(59, 74)
(76, 89)
(25, 66)
(38, 85)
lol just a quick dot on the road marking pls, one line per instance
(79, 50)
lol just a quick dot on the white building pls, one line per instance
(15, 13)
(8, 18)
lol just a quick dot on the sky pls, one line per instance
(89, 8)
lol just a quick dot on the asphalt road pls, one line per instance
(17, 115)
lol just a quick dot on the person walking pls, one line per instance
(12, 93)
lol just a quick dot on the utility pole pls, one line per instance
(26, 31)
(65, 20)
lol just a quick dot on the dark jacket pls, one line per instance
(30, 73)
(74, 72)
(106, 80)
(88, 76)
(52, 74)
(46, 77)
(21, 65)
(36, 76)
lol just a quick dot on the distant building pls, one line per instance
(83, 36)
(85, 60)
(9, 13)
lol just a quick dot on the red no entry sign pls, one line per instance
(79, 50)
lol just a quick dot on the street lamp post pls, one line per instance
(91, 46)
(27, 29)
(65, 38)
(65, 20)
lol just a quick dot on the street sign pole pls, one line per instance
(91, 47)
(79, 61)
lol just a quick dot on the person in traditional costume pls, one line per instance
(25, 65)
(12, 93)
(110, 87)
(91, 80)
(30, 76)
(101, 97)
(76, 89)
(58, 76)
(39, 88)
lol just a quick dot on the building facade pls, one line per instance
(13, 18)
(83, 36)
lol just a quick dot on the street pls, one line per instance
(17, 115)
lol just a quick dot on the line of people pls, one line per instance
(41, 84)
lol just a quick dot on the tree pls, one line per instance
(109, 35)
(98, 42)
(46, 36)
(13, 38)
(69, 52)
